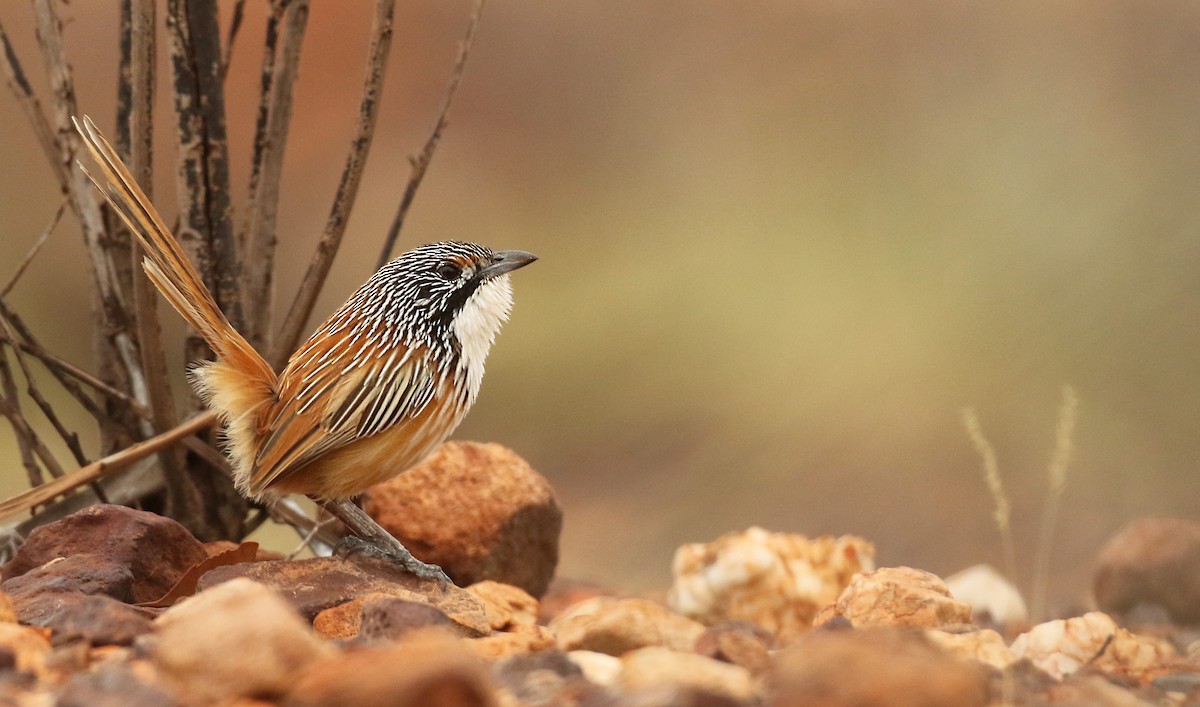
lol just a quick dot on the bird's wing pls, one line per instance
(336, 393)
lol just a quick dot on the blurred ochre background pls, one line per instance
(783, 245)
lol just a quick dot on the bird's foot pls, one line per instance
(396, 553)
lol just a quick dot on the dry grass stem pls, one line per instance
(1064, 446)
(29, 103)
(991, 473)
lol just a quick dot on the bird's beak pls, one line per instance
(506, 261)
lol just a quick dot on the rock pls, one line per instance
(776, 580)
(599, 668)
(41, 592)
(992, 598)
(985, 646)
(616, 626)
(156, 550)
(505, 605)
(28, 646)
(1152, 561)
(389, 618)
(897, 596)
(548, 678)
(113, 686)
(479, 511)
(738, 642)
(237, 639)
(522, 639)
(8, 614)
(565, 593)
(342, 622)
(428, 667)
(313, 585)
(97, 621)
(874, 666)
(1064, 646)
(653, 666)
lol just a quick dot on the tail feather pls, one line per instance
(165, 263)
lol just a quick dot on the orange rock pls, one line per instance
(478, 510)
(874, 666)
(655, 666)
(429, 667)
(523, 638)
(776, 580)
(897, 596)
(985, 646)
(506, 606)
(616, 626)
(28, 645)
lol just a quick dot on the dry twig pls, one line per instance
(281, 63)
(356, 160)
(33, 111)
(421, 162)
(33, 251)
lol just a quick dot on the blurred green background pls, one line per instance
(783, 245)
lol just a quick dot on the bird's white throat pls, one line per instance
(476, 327)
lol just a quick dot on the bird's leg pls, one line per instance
(371, 537)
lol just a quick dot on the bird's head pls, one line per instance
(451, 292)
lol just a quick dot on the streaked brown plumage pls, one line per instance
(381, 383)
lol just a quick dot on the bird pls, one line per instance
(381, 383)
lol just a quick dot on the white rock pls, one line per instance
(988, 592)
(1063, 646)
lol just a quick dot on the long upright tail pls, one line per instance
(241, 383)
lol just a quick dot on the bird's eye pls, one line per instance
(449, 271)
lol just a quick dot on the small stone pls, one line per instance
(8, 614)
(237, 639)
(1152, 561)
(655, 665)
(985, 646)
(565, 593)
(29, 646)
(389, 618)
(316, 584)
(521, 639)
(506, 606)
(599, 668)
(156, 550)
(873, 666)
(992, 598)
(113, 686)
(616, 626)
(897, 596)
(478, 510)
(427, 668)
(41, 593)
(539, 678)
(1064, 646)
(776, 580)
(738, 642)
(97, 621)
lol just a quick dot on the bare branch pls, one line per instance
(10, 408)
(8, 391)
(422, 160)
(335, 227)
(37, 246)
(103, 467)
(281, 63)
(235, 24)
(33, 110)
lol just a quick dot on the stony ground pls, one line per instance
(123, 607)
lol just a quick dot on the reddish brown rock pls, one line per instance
(238, 639)
(546, 678)
(114, 686)
(617, 626)
(313, 585)
(479, 511)
(1152, 562)
(343, 621)
(156, 550)
(738, 642)
(97, 621)
(897, 596)
(42, 592)
(428, 668)
(873, 667)
(389, 618)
